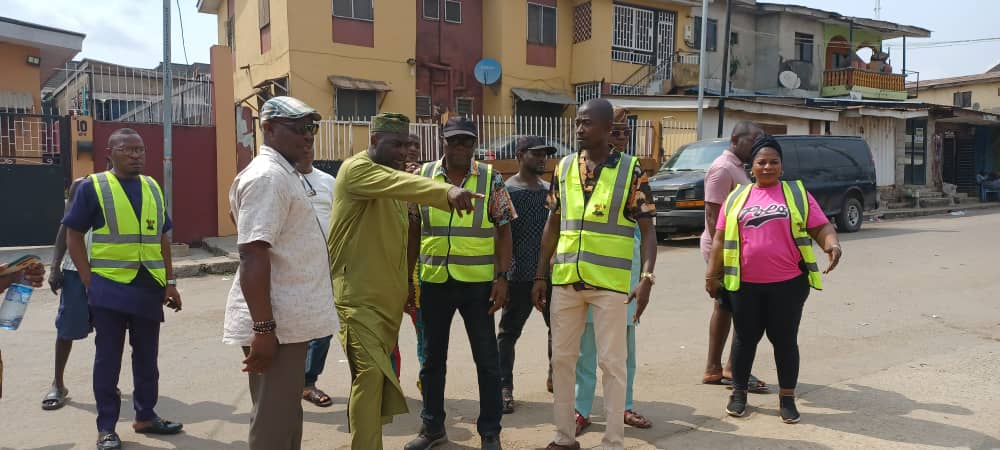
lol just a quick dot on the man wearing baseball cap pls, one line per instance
(282, 296)
(528, 192)
(464, 268)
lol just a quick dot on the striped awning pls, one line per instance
(358, 84)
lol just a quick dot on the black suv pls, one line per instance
(837, 170)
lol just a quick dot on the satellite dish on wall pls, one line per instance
(488, 71)
(789, 79)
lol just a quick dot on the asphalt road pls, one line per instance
(902, 350)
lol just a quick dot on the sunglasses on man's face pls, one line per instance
(302, 129)
(620, 133)
(465, 141)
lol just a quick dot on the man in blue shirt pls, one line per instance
(136, 306)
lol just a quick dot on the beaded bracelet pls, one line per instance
(264, 327)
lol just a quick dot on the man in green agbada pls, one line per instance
(367, 245)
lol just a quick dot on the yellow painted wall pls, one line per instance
(225, 135)
(314, 55)
(272, 64)
(987, 94)
(505, 25)
(18, 76)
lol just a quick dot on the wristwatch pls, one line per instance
(172, 282)
(505, 275)
(648, 276)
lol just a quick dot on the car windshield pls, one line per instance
(695, 156)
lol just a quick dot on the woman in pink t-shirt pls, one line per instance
(774, 280)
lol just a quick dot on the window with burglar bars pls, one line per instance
(587, 91)
(582, 18)
(804, 47)
(642, 36)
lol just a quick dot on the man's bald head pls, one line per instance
(598, 109)
(117, 136)
(744, 133)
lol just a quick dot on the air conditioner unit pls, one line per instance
(689, 34)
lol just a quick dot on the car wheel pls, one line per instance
(851, 216)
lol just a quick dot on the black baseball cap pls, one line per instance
(528, 143)
(458, 126)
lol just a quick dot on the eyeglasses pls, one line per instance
(310, 192)
(620, 133)
(465, 141)
(130, 150)
(303, 129)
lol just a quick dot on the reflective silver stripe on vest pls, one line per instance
(731, 245)
(457, 232)
(113, 264)
(728, 270)
(803, 241)
(812, 267)
(593, 258)
(480, 203)
(425, 211)
(800, 202)
(111, 217)
(154, 264)
(119, 239)
(156, 198)
(461, 260)
(603, 228)
(563, 192)
(736, 194)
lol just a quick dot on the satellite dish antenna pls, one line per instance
(488, 71)
(789, 79)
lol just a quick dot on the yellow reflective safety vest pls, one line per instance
(125, 243)
(797, 200)
(461, 248)
(595, 238)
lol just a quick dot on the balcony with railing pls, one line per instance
(868, 83)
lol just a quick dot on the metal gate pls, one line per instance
(664, 45)
(34, 173)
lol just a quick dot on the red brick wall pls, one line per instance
(194, 188)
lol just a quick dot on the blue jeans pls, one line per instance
(586, 371)
(316, 359)
(438, 304)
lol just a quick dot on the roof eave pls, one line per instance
(209, 6)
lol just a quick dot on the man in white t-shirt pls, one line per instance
(319, 188)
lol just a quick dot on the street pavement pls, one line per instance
(902, 350)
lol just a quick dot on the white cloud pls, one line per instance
(126, 32)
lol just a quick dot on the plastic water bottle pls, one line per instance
(15, 303)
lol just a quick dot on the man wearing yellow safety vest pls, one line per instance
(128, 277)
(596, 199)
(464, 267)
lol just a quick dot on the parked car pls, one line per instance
(838, 171)
(504, 148)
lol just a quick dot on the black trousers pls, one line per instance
(774, 309)
(512, 321)
(439, 302)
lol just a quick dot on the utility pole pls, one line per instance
(702, 64)
(725, 66)
(167, 109)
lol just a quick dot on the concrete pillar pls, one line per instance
(224, 107)
(81, 136)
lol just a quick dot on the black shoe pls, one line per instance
(160, 426)
(789, 413)
(109, 441)
(491, 442)
(737, 404)
(426, 440)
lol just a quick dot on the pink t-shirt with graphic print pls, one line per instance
(767, 251)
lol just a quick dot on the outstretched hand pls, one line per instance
(462, 201)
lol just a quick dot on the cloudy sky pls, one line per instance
(130, 31)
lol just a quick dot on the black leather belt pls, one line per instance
(581, 286)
